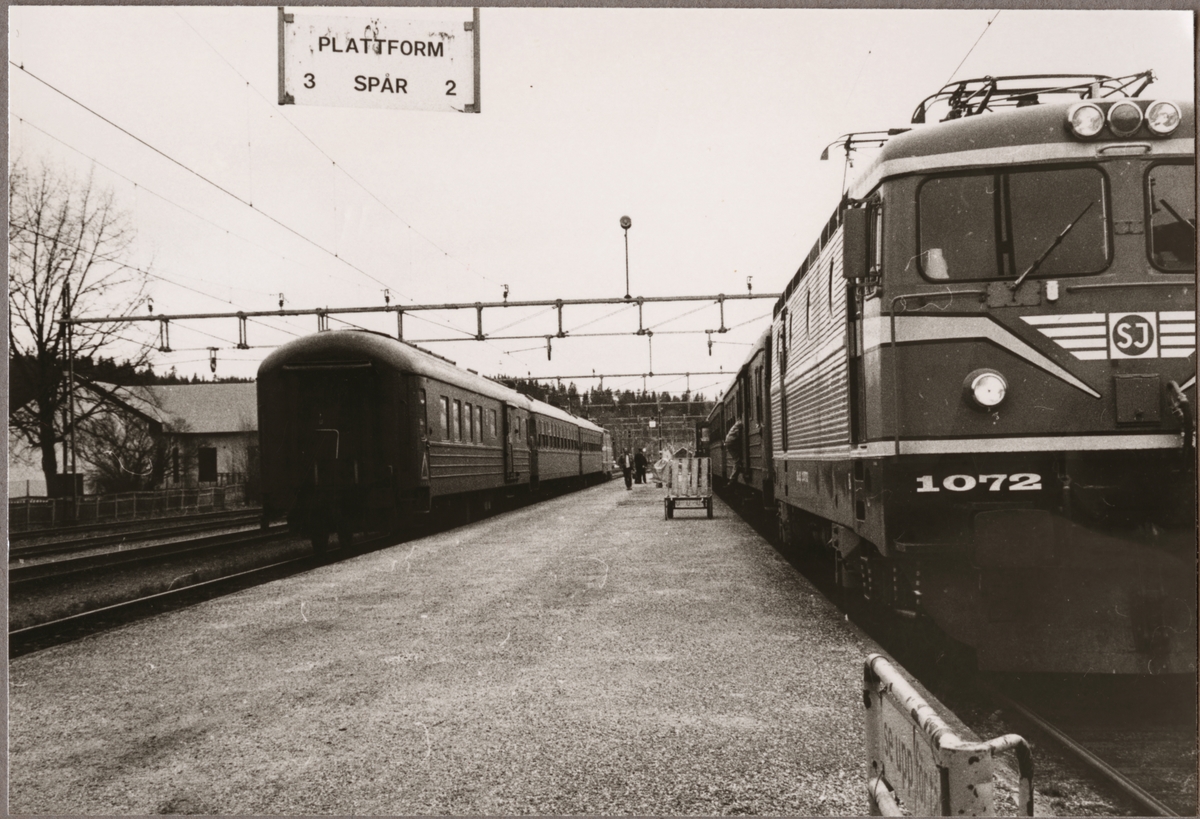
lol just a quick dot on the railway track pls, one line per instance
(1133, 738)
(26, 551)
(75, 626)
(58, 570)
(131, 523)
(1138, 736)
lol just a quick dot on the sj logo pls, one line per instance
(1092, 336)
(1132, 335)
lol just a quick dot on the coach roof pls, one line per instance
(348, 346)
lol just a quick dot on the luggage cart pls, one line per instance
(689, 485)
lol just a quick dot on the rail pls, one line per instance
(1146, 801)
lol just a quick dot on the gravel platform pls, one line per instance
(581, 656)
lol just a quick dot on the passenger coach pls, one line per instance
(361, 432)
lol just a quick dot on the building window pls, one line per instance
(206, 457)
(445, 419)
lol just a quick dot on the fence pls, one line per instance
(37, 513)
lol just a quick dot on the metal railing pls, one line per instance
(25, 514)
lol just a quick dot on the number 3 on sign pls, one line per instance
(1017, 482)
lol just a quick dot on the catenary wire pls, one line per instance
(199, 175)
(325, 154)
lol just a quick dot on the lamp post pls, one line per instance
(626, 223)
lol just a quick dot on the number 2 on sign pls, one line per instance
(1017, 482)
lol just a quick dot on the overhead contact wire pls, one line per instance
(198, 175)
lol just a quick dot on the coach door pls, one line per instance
(745, 401)
(333, 435)
(511, 427)
(533, 451)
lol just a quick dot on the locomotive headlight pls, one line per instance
(1086, 119)
(1124, 118)
(985, 388)
(1162, 117)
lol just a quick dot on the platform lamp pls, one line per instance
(626, 224)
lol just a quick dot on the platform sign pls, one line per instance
(379, 62)
(913, 757)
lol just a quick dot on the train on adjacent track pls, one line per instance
(360, 432)
(973, 396)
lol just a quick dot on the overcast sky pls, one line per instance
(704, 126)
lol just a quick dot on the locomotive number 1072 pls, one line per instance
(1017, 482)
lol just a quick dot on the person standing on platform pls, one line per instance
(639, 462)
(626, 463)
(733, 445)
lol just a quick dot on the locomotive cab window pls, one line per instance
(1171, 216)
(1038, 222)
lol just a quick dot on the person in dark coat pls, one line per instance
(626, 463)
(639, 463)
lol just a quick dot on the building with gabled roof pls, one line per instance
(206, 434)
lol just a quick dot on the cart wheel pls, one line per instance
(708, 506)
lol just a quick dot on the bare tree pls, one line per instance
(123, 450)
(67, 255)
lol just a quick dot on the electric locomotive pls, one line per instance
(360, 432)
(981, 376)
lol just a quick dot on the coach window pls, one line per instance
(874, 241)
(1038, 222)
(444, 420)
(758, 392)
(421, 413)
(492, 423)
(469, 422)
(456, 420)
(1171, 217)
(478, 424)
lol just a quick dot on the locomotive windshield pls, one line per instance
(1011, 224)
(1171, 216)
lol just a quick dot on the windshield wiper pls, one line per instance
(1046, 253)
(1175, 214)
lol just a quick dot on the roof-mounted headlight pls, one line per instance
(1086, 119)
(1162, 117)
(985, 388)
(1124, 118)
